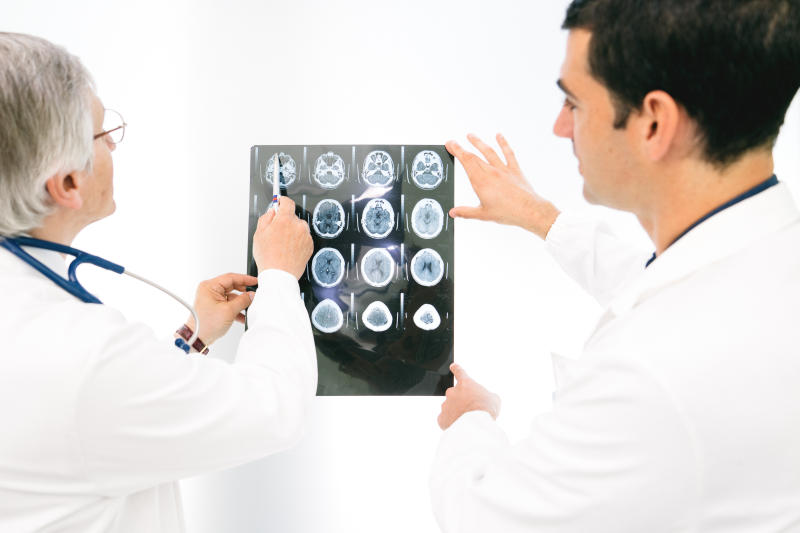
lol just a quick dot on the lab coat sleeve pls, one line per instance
(591, 254)
(147, 413)
(613, 456)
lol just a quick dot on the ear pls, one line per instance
(65, 189)
(660, 118)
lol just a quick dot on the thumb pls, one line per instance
(240, 303)
(458, 372)
(466, 212)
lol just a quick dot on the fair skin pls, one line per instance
(281, 241)
(653, 168)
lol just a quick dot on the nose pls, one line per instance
(564, 124)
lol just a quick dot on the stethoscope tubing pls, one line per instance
(73, 286)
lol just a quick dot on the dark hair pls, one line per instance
(734, 65)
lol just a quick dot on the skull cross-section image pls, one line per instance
(378, 287)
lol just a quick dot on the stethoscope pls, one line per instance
(73, 286)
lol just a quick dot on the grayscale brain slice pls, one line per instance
(427, 218)
(377, 316)
(329, 170)
(287, 167)
(377, 267)
(328, 218)
(378, 218)
(328, 267)
(378, 168)
(427, 267)
(427, 317)
(427, 170)
(327, 316)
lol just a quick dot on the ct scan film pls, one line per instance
(379, 286)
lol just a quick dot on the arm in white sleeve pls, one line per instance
(148, 413)
(592, 255)
(613, 456)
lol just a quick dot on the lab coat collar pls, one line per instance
(718, 237)
(52, 260)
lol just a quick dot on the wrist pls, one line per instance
(185, 332)
(540, 216)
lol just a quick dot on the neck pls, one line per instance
(58, 228)
(686, 194)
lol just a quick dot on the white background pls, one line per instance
(200, 82)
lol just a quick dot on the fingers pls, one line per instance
(240, 318)
(458, 372)
(511, 159)
(233, 281)
(468, 160)
(455, 150)
(467, 212)
(239, 304)
(285, 206)
(487, 151)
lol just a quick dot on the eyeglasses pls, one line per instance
(113, 127)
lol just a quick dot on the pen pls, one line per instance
(276, 182)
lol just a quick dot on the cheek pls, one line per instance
(104, 166)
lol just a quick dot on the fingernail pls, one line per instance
(251, 294)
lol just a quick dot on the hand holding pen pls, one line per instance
(282, 240)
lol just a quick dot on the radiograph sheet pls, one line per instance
(379, 286)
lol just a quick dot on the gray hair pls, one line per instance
(45, 126)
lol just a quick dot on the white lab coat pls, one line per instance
(99, 418)
(683, 412)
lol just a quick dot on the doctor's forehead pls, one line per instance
(575, 67)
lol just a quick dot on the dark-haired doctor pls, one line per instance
(683, 413)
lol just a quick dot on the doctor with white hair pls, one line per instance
(100, 418)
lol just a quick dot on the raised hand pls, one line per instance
(506, 197)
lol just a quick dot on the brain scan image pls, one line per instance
(427, 171)
(427, 317)
(378, 169)
(329, 170)
(427, 218)
(327, 267)
(328, 219)
(427, 267)
(377, 267)
(327, 316)
(377, 317)
(378, 218)
(287, 167)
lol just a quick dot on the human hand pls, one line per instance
(218, 304)
(467, 395)
(506, 197)
(282, 240)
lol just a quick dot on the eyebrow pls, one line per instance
(563, 87)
